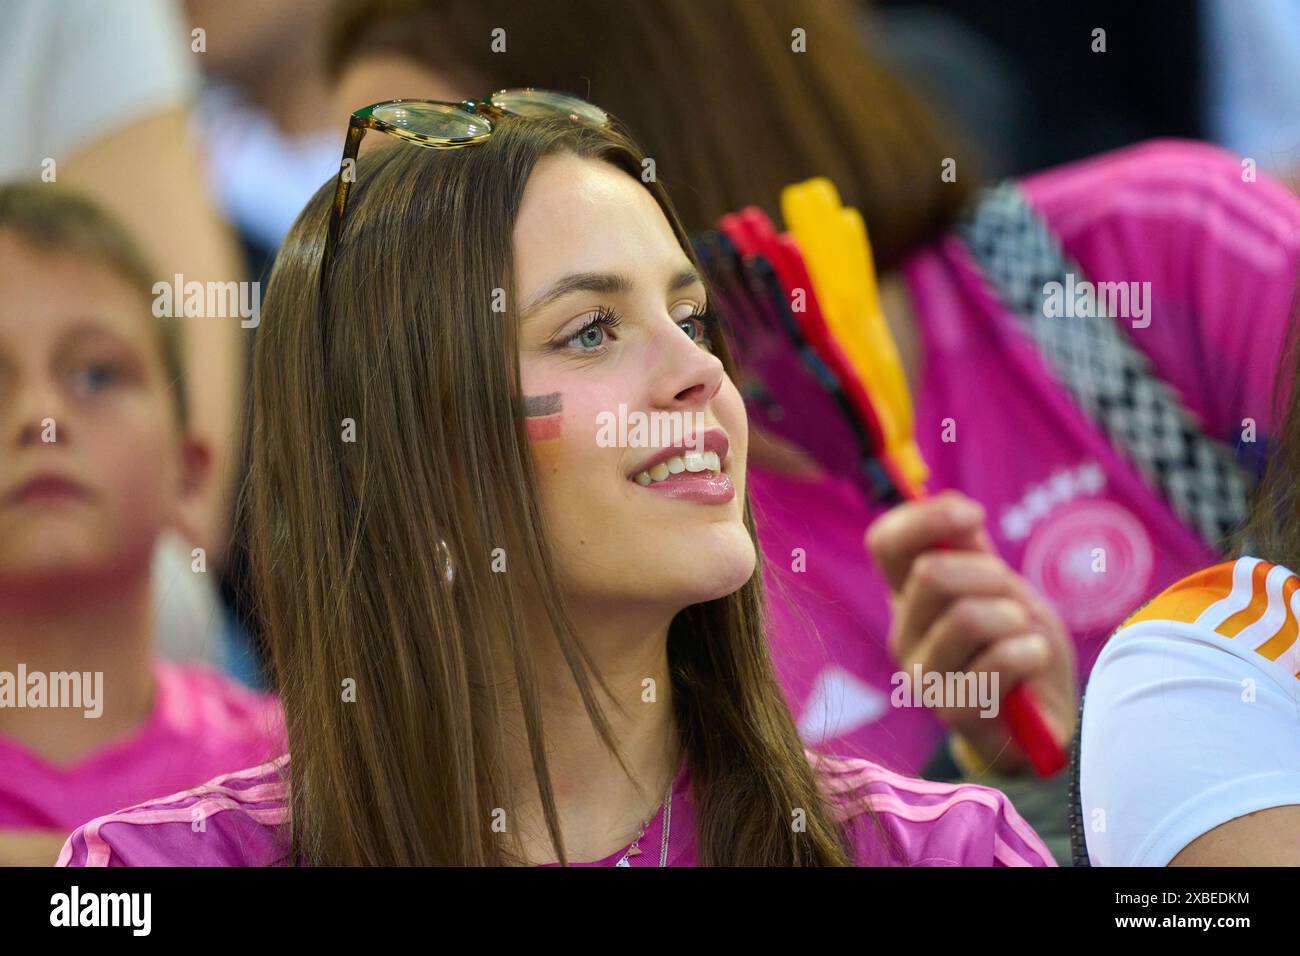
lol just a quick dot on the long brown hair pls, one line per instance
(346, 539)
(715, 91)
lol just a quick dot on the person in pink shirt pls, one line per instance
(505, 632)
(1088, 514)
(1220, 250)
(97, 461)
(241, 819)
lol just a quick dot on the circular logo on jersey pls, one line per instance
(1092, 559)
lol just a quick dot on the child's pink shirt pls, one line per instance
(241, 819)
(203, 724)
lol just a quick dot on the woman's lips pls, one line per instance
(711, 440)
(708, 487)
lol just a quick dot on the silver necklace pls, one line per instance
(635, 849)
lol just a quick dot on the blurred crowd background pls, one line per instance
(206, 124)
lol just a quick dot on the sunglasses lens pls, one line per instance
(443, 121)
(540, 103)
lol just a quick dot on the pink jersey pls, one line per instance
(241, 820)
(1221, 253)
(203, 724)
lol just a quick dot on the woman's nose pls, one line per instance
(691, 374)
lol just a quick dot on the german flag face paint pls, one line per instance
(542, 416)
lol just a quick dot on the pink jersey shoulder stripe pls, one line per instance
(259, 793)
(98, 852)
(889, 803)
(924, 813)
(180, 806)
(274, 789)
(866, 773)
(65, 855)
(1006, 855)
(1014, 820)
(914, 786)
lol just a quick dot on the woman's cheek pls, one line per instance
(731, 413)
(561, 426)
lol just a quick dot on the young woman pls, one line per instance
(792, 94)
(500, 637)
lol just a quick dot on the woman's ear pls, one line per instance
(190, 509)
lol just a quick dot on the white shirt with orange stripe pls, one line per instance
(1192, 714)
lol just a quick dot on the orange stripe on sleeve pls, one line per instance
(1187, 599)
(1281, 642)
(1253, 611)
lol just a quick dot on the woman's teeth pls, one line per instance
(691, 461)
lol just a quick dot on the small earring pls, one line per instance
(449, 569)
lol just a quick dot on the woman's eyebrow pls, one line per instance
(609, 283)
(685, 279)
(606, 282)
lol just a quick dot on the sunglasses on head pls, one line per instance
(434, 124)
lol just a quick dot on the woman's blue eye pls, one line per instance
(592, 335)
(699, 326)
